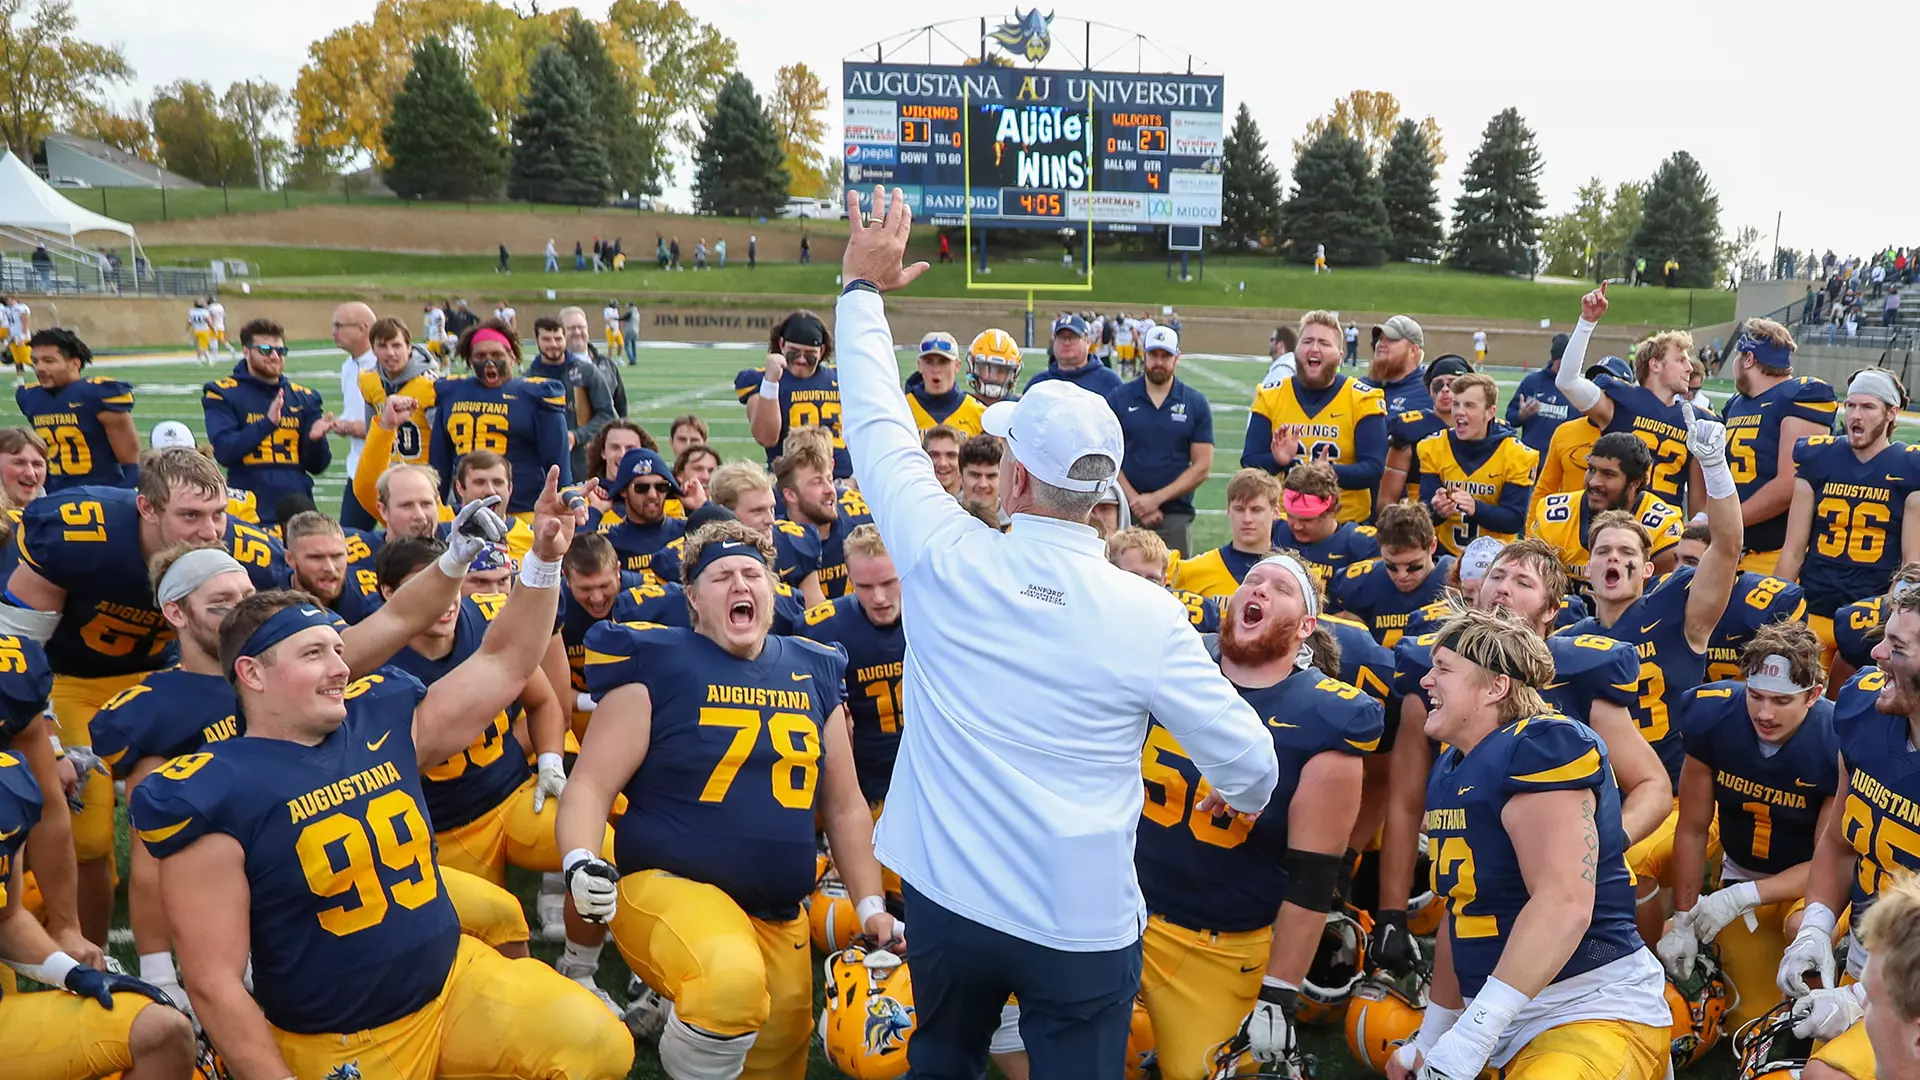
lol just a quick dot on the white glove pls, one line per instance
(1707, 442)
(475, 528)
(594, 885)
(583, 702)
(85, 761)
(176, 993)
(1825, 1014)
(1455, 1057)
(1810, 950)
(1712, 912)
(1268, 1029)
(550, 779)
(1679, 946)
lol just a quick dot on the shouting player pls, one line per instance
(522, 420)
(87, 423)
(1653, 406)
(1766, 419)
(804, 477)
(933, 390)
(1312, 527)
(1477, 480)
(303, 847)
(1322, 415)
(1617, 466)
(714, 860)
(1537, 969)
(797, 387)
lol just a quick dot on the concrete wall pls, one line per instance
(110, 323)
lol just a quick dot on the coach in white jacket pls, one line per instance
(1031, 667)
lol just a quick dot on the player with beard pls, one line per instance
(87, 423)
(267, 431)
(1653, 406)
(1320, 414)
(1399, 354)
(1384, 593)
(804, 477)
(797, 387)
(522, 420)
(1405, 429)
(1563, 465)
(1856, 627)
(1242, 946)
(1312, 528)
(1856, 504)
(1864, 847)
(933, 390)
(1669, 623)
(1537, 970)
(318, 559)
(1616, 480)
(1766, 419)
(1475, 476)
(643, 485)
(1595, 683)
(1758, 600)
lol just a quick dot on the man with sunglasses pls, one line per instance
(642, 487)
(268, 432)
(934, 394)
(796, 388)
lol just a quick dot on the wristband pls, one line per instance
(538, 573)
(541, 761)
(451, 566)
(583, 702)
(575, 858)
(1817, 915)
(1277, 984)
(770, 389)
(52, 971)
(1490, 1013)
(860, 285)
(59, 751)
(1747, 892)
(1719, 481)
(868, 907)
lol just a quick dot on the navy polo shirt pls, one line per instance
(1159, 440)
(1537, 433)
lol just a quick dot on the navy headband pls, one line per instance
(803, 330)
(1765, 353)
(1497, 666)
(723, 549)
(285, 623)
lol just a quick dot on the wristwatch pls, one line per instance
(861, 285)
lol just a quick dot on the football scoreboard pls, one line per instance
(1032, 148)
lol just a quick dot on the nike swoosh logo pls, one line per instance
(1271, 722)
(1649, 627)
(1553, 686)
(1249, 970)
(1133, 408)
(1895, 479)
(802, 945)
(156, 836)
(1797, 782)
(799, 676)
(380, 742)
(6, 836)
(1464, 790)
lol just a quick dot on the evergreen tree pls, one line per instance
(439, 136)
(1250, 189)
(1496, 220)
(738, 169)
(1337, 202)
(1413, 202)
(557, 153)
(1680, 220)
(615, 109)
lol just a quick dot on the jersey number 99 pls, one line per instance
(387, 815)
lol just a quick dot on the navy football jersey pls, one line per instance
(481, 777)
(268, 458)
(523, 420)
(875, 657)
(1757, 600)
(637, 544)
(1223, 872)
(1753, 443)
(86, 540)
(796, 553)
(1881, 814)
(1768, 804)
(1365, 591)
(360, 594)
(1858, 509)
(349, 926)
(26, 679)
(165, 715)
(853, 512)
(1856, 630)
(68, 421)
(1589, 668)
(1204, 612)
(812, 400)
(726, 793)
(20, 806)
(1329, 558)
(1656, 627)
(1364, 662)
(1662, 427)
(1474, 865)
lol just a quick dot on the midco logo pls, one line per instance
(1158, 208)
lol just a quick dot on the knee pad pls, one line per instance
(688, 1053)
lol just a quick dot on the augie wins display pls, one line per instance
(1038, 148)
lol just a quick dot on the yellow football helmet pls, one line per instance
(993, 363)
(830, 911)
(869, 1013)
(1767, 1048)
(1143, 1060)
(1699, 1004)
(1381, 1017)
(1338, 966)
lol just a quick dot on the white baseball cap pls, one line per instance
(171, 433)
(1164, 339)
(1054, 425)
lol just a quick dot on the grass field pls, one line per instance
(672, 381)
(1427, 290)
(141, 205)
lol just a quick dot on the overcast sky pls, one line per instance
(1752, 89)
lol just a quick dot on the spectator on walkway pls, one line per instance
(553, 258)
(806, 249)
(673, 254)
(700, 254)
(720, 251)
(503, 260)
(1890, 308)
(660, 250)
(1353, 343)
(579, 257)
(43, 267)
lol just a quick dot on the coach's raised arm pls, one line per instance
(1031, 667)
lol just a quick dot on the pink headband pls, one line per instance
(1299, 504)
(490, 334)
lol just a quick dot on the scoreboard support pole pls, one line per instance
(1029, 341)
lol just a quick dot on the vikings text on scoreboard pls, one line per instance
(1038, 148)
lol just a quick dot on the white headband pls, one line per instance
(1308, 598)
(1877, 383)
(190, 571)
(1775, 677)
(1900, 589)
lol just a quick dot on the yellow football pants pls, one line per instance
(1652, 857)
(510, 833)
(1851, 1053)
(496, 1017)
(74, 701)
(1592, 1050)
(487, 911)
(1751, 959)
(727, 972)
(1822, 627)
(1197, 986)
(54, 1035)
(1760, 562)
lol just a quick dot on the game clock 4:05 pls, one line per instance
(1020, 202)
